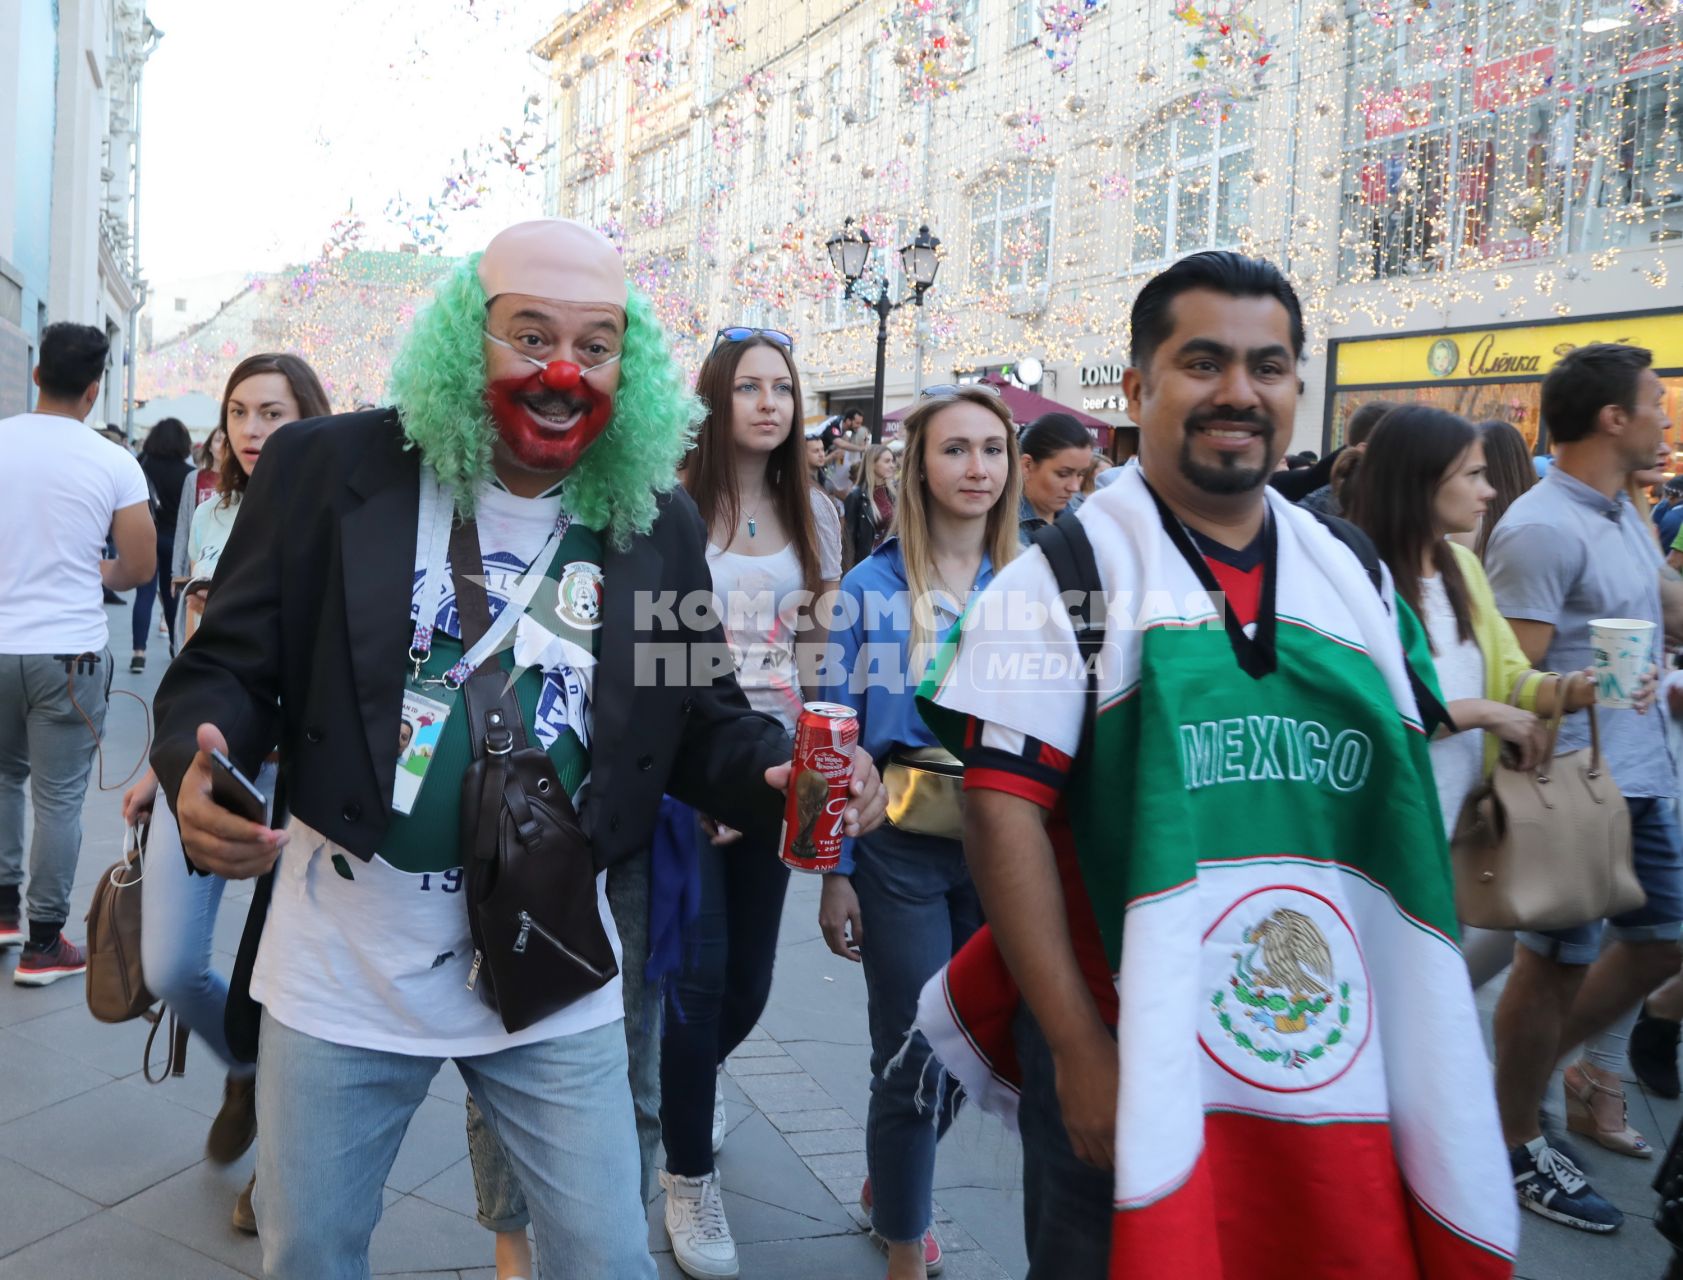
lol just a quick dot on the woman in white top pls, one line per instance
(774, 544)
(1422, 479)
(263, 394)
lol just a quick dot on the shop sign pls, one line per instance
(1099, 375)
(1522, 352)
(1511, 80)
(1386, 114)
(1653, 59)
(1103, 404)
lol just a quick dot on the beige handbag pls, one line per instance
(1545, 849)
(926, 792)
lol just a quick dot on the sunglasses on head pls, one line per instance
(741, 333)
(953, 388)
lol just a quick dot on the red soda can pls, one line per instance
(822, 772)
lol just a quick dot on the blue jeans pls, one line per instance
(1067, 1204)
(178, 919)
(332, 1118)
(159, 587)
(917, 907)
(720, 993)
(500, 1204)
(1657, 855)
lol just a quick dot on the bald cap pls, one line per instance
(554, 258)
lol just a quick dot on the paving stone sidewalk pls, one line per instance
(103, 1176)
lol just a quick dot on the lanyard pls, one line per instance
(437, 511)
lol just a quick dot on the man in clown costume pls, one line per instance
(1245, 1045)
(535, 398)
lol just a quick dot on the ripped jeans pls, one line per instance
(917, 907)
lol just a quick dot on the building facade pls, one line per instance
(1421, 168)
(69, 147)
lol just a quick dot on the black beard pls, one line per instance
(1228, 477)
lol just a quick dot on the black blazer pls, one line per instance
(305, 637)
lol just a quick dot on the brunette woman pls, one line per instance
(774, 545)
(164, 459)
(263, 394)
(1056, 451)
(905, 885)
(1422, 479)
(868, 513)
(1507, 469)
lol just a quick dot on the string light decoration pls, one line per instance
(1411, 164)
(1017, 131)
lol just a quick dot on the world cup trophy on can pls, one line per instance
(819, 779)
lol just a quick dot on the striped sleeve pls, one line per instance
(997, 758)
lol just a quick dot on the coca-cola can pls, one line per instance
(822, 772)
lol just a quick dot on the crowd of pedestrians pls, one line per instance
(513, 800)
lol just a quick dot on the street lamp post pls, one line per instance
(850, 253)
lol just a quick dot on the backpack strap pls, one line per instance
(1070, 554)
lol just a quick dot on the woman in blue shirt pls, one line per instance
(902, 900)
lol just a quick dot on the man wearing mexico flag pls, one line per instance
(1245, 1045)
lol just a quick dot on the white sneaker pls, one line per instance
(718, 1113)
(702, 1244)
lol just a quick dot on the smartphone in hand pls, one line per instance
(235, 792)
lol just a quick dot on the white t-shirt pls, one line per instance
(213, 522)
(61, 485)
(760, 599)
(1458, 760)
(381, 960)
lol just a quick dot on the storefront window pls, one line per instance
(1493, 373)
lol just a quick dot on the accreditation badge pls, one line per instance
(418, 735)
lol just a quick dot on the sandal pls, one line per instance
(1587, 1114)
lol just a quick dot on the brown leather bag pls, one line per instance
(530, 875)
(1545, 848)
(115, 986)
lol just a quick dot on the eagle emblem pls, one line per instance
(1284, 1000)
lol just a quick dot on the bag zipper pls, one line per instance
(528, 925)
(473, 973)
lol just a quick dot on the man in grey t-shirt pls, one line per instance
(1571, 549)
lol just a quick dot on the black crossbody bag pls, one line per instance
(529, 872)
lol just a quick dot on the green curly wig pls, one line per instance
(438, 384)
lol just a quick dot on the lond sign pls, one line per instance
(1099, 375)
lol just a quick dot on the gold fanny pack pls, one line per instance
(926, 792)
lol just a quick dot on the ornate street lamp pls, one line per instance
(850, 253)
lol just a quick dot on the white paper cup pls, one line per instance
(1624, 650)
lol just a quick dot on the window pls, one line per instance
(1628, 186)
(1011, 232)
(1192, 180)
(593, 100)
(660, 56)
(593, 200)
(876, 65)
(832, 105)
(968, 14)
(1025, 21)
(181, 304)
(1485, 161)
(663, 180)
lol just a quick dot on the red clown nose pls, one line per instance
(560, 375)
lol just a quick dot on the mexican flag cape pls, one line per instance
(1303, 1088)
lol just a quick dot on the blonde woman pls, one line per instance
(868, 514)
(906, 885)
